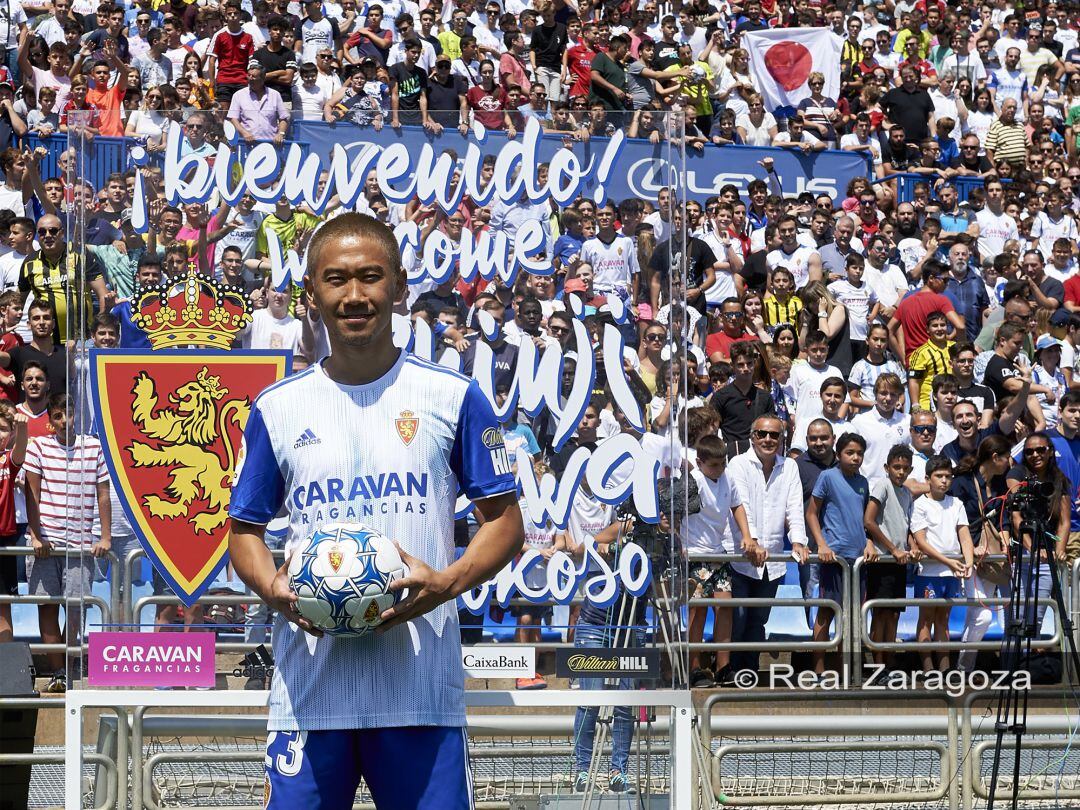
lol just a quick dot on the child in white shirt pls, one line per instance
(939, 529)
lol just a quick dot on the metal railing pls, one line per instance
(906, 182)
(840, 638)
(112, 768)
(115, 605)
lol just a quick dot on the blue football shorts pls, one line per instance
(945, 587)
(405, 768)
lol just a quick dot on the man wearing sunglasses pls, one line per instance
(770, 487)
(46, 273)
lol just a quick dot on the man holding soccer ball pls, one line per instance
(376, 436)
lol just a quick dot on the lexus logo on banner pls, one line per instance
(605, 662)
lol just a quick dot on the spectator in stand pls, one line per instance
(549, 42)
(834, 521)
(13, 442)
(888, 525)
(908, 325)
(257, 111)
(67, 486)
(768, 485)
(910, 106)
(741, 402)
(706, 533)
(231, 51)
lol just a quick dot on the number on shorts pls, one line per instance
(289, 763)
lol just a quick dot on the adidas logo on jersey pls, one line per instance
(307, 438)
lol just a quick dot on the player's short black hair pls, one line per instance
(356, 225)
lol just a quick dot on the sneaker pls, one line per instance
(58, 683)
(702, 679)
(535, 682)
(617, 782)
(725, 677)
(881, 679)
(582, 782)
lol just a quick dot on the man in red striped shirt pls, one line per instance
(67, 487)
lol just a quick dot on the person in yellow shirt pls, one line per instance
(913, 29)
(451, 38)
(695, 86)
(780, 304)
(929, 360)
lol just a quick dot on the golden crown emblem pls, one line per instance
(194, 310)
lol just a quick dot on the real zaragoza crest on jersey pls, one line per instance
(171, 419)
(407, 424)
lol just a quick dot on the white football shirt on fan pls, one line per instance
(614, 263)
(391, 455)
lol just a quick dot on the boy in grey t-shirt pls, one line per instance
(888, 523)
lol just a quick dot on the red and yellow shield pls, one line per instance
(407, 424)
(170, 424)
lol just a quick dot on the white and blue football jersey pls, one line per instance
(393, 455)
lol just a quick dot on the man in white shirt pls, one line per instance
(1010, 37)
(660, 219)
(962, 62)
(769, 486)
(995, 226)
(273, 327)
(803, 262)
(1052, 224)
(1010, 82)
(882, 426)
(612, 257)
(886, 279)
(405, 30)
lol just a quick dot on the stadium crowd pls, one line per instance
(864, 376)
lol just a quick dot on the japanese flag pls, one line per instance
(782, 60)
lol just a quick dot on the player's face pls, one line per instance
(354, 288)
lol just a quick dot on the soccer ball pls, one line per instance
(342, 576)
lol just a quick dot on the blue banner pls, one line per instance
(643, 167)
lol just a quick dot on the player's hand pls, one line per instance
(427, 589)
(283, 599)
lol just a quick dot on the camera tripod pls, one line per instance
(1031, 548)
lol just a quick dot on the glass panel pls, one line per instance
(537, 280)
